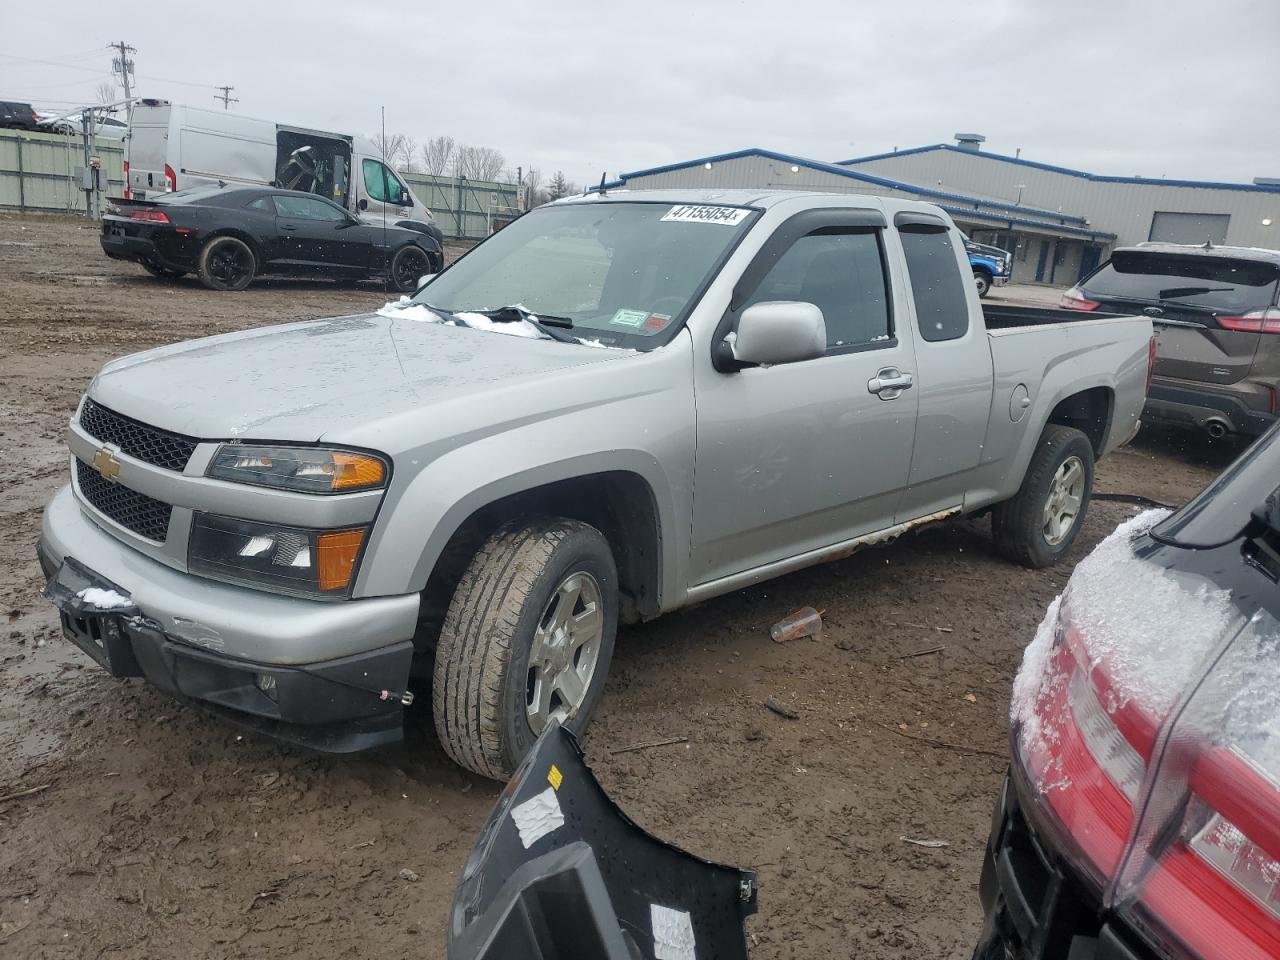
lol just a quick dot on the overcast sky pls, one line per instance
(1179, 88)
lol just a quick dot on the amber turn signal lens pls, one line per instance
(337, 554)
(352, 470)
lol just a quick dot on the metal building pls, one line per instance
(1058, 222)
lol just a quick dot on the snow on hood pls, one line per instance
(1150, 627)
(406, 309)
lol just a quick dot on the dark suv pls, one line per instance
(18, 116)
(1217, 329)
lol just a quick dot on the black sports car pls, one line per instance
(230, 234)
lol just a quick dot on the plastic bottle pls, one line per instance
(805, 622)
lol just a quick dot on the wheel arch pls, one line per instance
(1090, 411)
(243, 236)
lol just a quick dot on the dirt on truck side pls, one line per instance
(136, 827)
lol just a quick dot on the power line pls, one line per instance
(226, 97)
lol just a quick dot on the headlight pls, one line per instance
(313, 563)
(304, 469)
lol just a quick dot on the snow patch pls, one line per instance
(104, 599)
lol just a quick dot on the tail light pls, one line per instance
(128, 194)
(1152, 742)
(147, 215)
(1255, 321)
(170, 179)
(1074, 299)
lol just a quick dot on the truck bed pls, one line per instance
(1006, 317)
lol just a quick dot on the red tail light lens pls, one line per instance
(1151, 362)
(170, 179)
(147, 216)
(1256, 321)
(1074, 299)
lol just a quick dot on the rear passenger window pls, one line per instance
(942, 308)
(841, 272)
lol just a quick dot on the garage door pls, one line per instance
(1190, 227)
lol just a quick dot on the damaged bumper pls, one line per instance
(140, 618)
(560, 873)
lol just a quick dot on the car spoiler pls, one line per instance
(560, 873)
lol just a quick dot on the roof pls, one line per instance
(1259, 254)
(854, 175)
(1066, 171)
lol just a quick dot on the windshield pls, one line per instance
(1212, 283)
(624, 273)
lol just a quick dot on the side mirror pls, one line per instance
(779, 331)
(363, 204)
(405, 199)
(425, 279)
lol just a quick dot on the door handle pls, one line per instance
(289, 228)
(889, 383)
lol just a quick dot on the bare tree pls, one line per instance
(437, 155)
(478, 163)
(105, 92)
(408, 154)
(390, 145)
(533, 196)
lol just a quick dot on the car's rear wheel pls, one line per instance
(164, 273)
(527, 639)
(407, 265)
(227, 263)
(1037, 527)
(983, 282)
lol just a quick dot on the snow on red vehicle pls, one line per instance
(1141, 818)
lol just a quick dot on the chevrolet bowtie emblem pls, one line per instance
(105, 462)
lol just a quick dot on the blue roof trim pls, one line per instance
(1067, 171)
(854, 175)
(963, 213)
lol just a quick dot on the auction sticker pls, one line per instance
(686, 213)
(629, 318)
(656, 322)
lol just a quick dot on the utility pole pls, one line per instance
(123, 65)
(226, 97)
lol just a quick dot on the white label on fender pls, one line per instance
(685, 213)
(537, 817)
(672, 933)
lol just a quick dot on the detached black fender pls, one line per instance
(560, 873)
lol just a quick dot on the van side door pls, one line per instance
(796, 457)
(382, 193)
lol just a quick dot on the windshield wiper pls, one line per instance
(1190, 291)
(543, 323)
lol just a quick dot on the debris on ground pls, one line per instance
(805, 622)
(932, 844)
(780, 710)
(649, 745)
(409, 875)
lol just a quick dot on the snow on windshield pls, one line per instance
(406, 309)
(1148, 627)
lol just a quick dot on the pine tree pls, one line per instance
(558, 187)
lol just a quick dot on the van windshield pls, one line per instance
(625, 273)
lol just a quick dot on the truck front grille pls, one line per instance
(143, 515)
(150, 444)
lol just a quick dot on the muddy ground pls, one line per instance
(162, 833)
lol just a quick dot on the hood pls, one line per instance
(298, 382)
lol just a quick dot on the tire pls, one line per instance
(162, 273)
(486, 672)
(226, 263)
(1023, 530)
(408, 264)
(983, 282)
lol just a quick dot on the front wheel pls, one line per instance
(407, 265)
(226, 263)
(1037, 527)
(982, 282)
(527, 639)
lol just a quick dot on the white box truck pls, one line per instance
(171, 147)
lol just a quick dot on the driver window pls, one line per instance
(842, 273)
(305, 208)
(380, 183)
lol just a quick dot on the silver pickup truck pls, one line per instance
(617, 406)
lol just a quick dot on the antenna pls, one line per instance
(226, 97)
(386, 282)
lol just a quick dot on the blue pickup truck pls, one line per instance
(990, 265)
